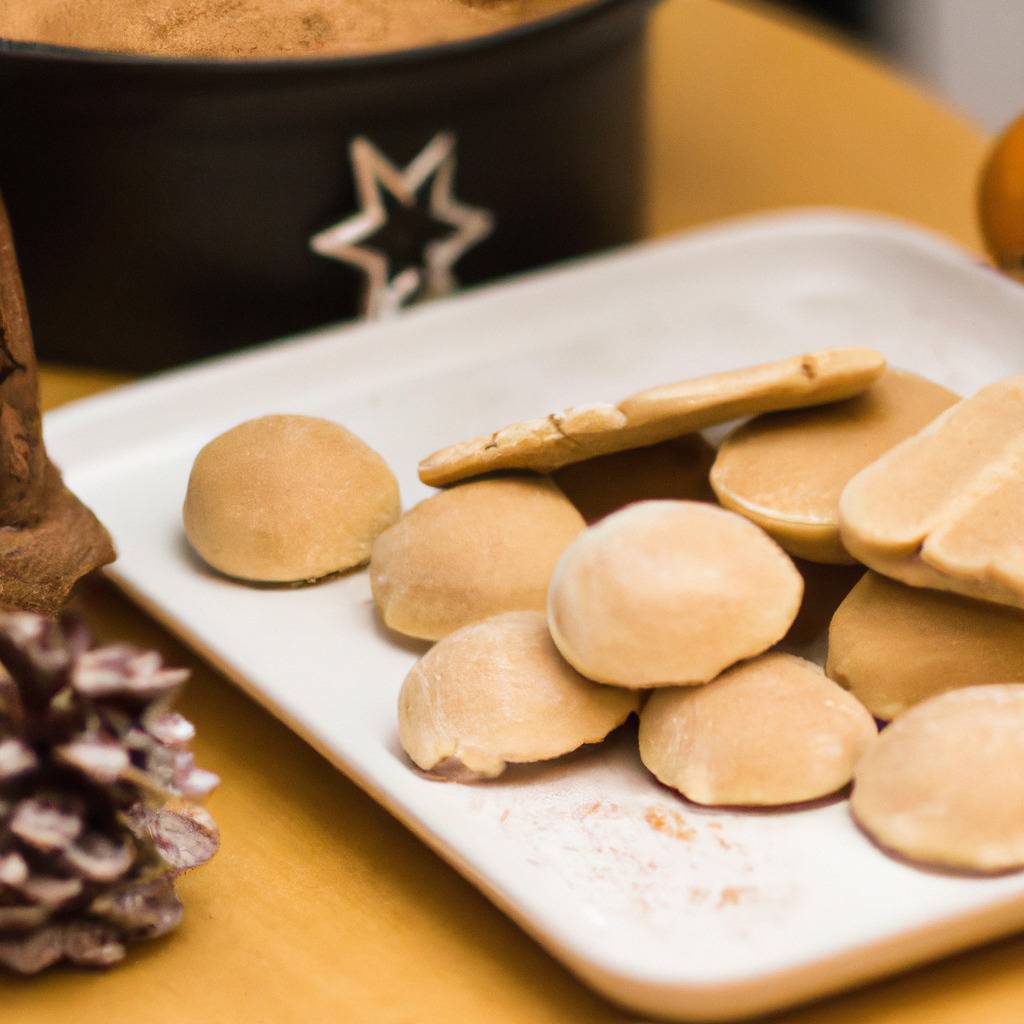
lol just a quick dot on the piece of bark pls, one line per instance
(48, 538)
(22, 454)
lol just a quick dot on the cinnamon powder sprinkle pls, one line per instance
(262, 28)
(603, 810)
(669, 822)
(733, 896)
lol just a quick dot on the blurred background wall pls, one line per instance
(970, 52)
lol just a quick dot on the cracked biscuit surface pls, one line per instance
(657, 414)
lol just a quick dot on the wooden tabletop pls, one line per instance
(319, 906)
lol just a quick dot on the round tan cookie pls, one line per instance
(893, 646)
(286, 498)
(670, 593)
(498, 692)
(771, 731)
(659, 414)
(786, 470)
(472, 551)
(944, 786)
(672, 470)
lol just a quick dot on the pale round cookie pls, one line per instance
(771, 731)
(786, 470)
(894, 646)
(498, 692)
(941, 508)
(670, 593)
(658, 414)
(472, 551)
(944, 786)
(287, 498)
(672, 470)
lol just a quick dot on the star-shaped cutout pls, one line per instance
(406, 247)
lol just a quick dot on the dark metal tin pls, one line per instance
(163, 207)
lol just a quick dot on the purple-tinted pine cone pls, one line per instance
(99, 796)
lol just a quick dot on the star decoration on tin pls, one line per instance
(409, 231)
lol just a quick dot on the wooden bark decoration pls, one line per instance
(48, 538)
(22, 455)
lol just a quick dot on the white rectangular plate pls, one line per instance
(663, 907)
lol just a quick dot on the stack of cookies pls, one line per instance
(605, 559)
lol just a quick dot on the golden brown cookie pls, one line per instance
(894, 646)
(675, 470)
(670, 593)
(658, 414)
(942, 509)
(498, 692)
(287, 498)
(771, 731)
(943, 784)
(786, 470)
(469, 552)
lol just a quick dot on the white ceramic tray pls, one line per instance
(663, 907)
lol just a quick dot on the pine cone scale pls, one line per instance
(100, 859)
(91, 944)
(146, 909)
(33, 953)
(51, 891)
(13, 869)
(44, 824)
(23, 917)
(16, 758)
(104, 760)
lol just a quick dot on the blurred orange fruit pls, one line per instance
(1001, 200)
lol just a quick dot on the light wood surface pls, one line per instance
(750, 112)
(320, 907)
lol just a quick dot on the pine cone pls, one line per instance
(98, 792)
